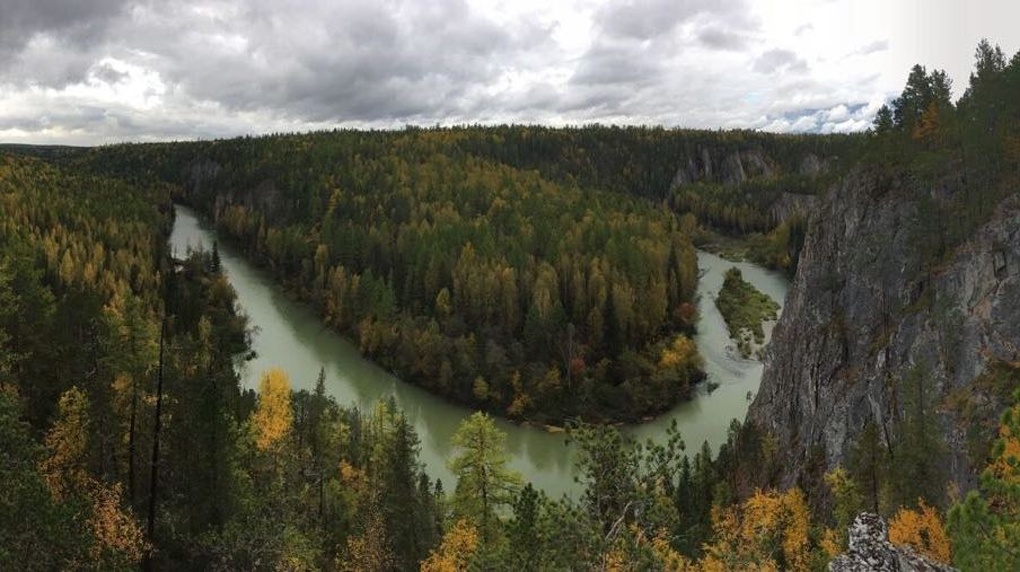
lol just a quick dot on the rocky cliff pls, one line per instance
(710, 165)
(732, 167)
(788, 191)
(866, 313)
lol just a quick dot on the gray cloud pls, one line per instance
(107, 74)
(112, 70)
(721, 39)
(777, 59)
(605, 65)
(645, 19)
(81, 22)
(649, 19)
(326, 62)
(638, 48)
(873, 47)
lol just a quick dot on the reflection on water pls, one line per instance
(290, 335)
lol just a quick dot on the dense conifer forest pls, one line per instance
(535, 273)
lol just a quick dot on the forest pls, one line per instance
(527, 271)
(127, 440)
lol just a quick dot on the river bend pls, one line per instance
(290, 335)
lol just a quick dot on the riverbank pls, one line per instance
(290, 335)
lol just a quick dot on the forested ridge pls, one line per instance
(529, 271)
(126, 439)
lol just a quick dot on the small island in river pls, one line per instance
(745, 309)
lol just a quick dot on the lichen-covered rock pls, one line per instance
(871, 551)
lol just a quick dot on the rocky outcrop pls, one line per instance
(729, 168)
(202, 173)
(200, 184)
(811, 165)
(732, 168)
(863, 316)
(871, 551)
(789, 205)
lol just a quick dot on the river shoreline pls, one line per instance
(291, 335)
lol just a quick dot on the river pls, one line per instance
(290, 335)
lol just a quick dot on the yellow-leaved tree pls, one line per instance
(921, 529)
(273, 417)
(455, 551)
(67, 444)
(117, 539)
(848, 503)
(769, 531)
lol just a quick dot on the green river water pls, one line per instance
(290, 335)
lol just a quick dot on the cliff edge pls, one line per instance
(870, 321)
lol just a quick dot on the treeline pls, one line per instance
(730, 181)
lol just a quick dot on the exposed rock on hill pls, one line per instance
(790, 204)
(864, 316)
(711, 166)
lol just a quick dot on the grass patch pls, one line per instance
(744, 308)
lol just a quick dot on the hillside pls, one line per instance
(528, 271)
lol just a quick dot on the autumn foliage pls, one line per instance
(455, 551)
(922, 529)
(769, 531)
(273, 417)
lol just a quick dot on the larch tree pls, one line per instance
(117, 539)
(769, 531)
(923, 529)
(484, 483)
(65, 468)
(273, 417)
(456, 550)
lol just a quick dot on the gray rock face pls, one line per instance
(861, 316)
(790, 204)
(732, 168)
(266, 197)
(728, 168)
(871, 551)
(811, 165)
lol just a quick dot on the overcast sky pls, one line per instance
(102, 71)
